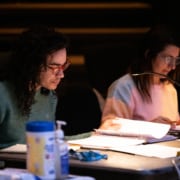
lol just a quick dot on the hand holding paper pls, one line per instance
(17, 148)
(164, 120)
(137, 128)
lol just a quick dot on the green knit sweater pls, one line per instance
(12, 123)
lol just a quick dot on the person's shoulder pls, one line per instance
(170, 87)
(123, 81)
(120, 87)
(6, 91)
(4, 86)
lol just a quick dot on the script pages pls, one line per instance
(131, 132)
(130, 138)
(137, 128)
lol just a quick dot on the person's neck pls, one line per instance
(156, 80)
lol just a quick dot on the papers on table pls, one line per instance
(150, 150)
(106, 142)
(127, 145)
(24, 174)
(138, 128)
(18, 148)
(131, 137)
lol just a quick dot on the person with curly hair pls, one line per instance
(27, 87)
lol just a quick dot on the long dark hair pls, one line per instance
(30, 52)
(154, 41)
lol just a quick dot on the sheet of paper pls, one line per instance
(150, 150)
(106, 142)
(138, 128)
(18, 148)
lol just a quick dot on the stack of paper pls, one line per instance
(18, 148)
(138, 128)
(106, 142)
(131, 137)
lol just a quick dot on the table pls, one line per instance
(117, 166)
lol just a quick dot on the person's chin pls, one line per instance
(52, 87)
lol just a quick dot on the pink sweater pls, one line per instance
(124, 101)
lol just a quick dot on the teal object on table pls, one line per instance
(87, 155)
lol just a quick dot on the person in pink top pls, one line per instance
(147, 91)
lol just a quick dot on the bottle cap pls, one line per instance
(39, 126)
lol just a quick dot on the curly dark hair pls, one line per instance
(31, 50)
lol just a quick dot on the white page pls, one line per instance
(106, 142)
(138, 128)
(150, 150)
(18, 148)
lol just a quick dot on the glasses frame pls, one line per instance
(56, 68)
(170, 60)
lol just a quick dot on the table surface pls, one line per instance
(117, 163)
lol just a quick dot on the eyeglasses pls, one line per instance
(58, 68)
(171, 61)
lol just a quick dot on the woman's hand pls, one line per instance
(110, 124)
(178, 122)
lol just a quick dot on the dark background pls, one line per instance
(107, 37)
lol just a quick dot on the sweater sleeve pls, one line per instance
(119, 101)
